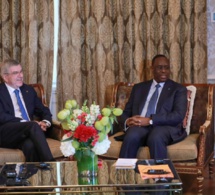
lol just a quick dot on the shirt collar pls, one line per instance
(154, 83)
(10, 89)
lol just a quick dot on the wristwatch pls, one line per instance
(151, 122)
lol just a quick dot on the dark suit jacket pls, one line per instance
(171, 106)
(33, 105)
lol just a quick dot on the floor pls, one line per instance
(190, 187)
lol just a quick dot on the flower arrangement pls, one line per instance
(86, 127)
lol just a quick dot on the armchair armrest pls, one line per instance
(205, 127)
(57, 131)
(204, 143)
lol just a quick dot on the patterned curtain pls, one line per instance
(104, 41)
(26, 35)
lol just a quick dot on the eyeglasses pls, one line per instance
(162, 67)
(15, 73)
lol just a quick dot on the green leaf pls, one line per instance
(67, 139)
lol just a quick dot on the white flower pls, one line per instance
(101, 147)
(77, 112)
(66, 147)
(73, 125)
(94, 110)
(90, 120)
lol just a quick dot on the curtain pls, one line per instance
(102, 42)
(26, 35)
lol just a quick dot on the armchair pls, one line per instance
(195, 153)
(16, 155)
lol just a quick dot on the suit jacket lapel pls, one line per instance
(25, 96)
(144, 93)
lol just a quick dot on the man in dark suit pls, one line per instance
(160, 126)
(17, 128)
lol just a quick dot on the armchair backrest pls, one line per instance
(40, 92)
(203, 105)
(203, 108)
(121, 93)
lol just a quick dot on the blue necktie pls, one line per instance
(152, 102)
(22, 109)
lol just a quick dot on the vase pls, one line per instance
(87, 163)
(92, 180)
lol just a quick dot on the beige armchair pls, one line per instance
(193, 155)
(16, 155)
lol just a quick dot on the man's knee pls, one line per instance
(28, 145)
(33, 127)
(135, 135)
(154, 139)
(132, 133)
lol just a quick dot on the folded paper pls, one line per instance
(143, 169)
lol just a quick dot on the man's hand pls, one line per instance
(42, 124)
(137, 121)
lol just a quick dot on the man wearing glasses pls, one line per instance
(18, 105)
(154, 113)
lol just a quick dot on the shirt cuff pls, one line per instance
(48, 124)
(23, 120)
(125, 126)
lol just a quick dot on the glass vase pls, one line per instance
(87, 163)
(92, 180)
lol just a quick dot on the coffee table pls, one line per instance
(62, 178)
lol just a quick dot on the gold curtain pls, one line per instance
(104, 41)
(26, 35)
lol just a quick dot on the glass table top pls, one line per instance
(62, 178)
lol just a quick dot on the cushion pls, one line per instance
(184, 150)
(54, 146)
(11, 155)
(191, 94)
(16, 155)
